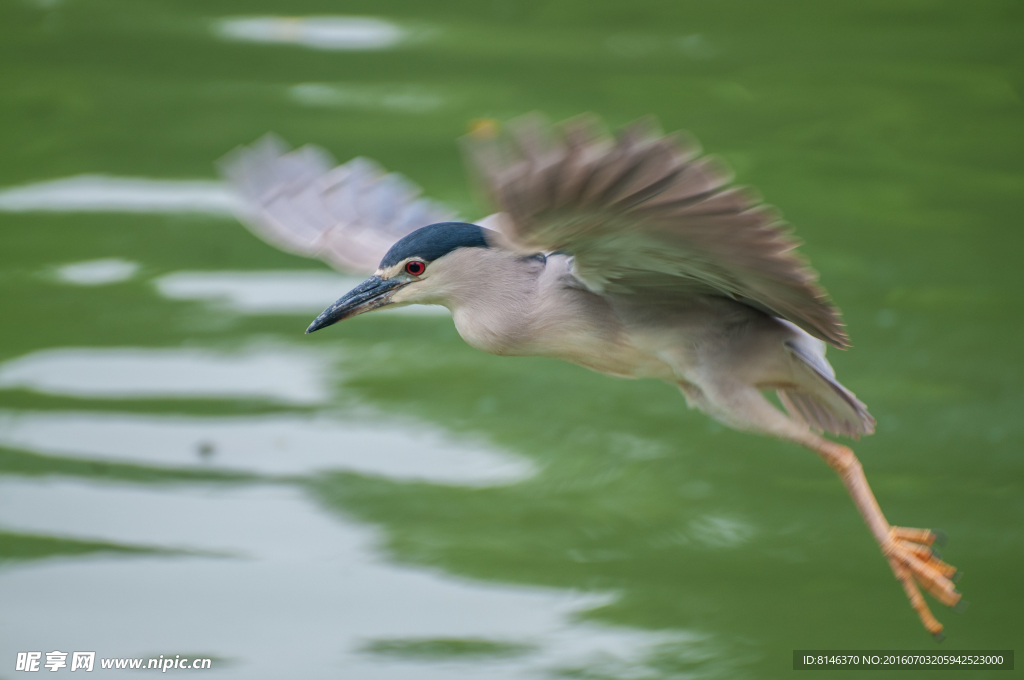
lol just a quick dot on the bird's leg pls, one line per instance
(907, 550)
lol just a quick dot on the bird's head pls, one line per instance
(418, 269)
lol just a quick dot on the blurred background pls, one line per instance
(183, 472)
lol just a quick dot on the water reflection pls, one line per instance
(721, 532)
(270, 292)
(100, 193)
(322, 33)
(271, 444)
(635, 45)
(307, 592)
(282, 375)
(97, 272)
(397, 98)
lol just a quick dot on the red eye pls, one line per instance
(415, 267)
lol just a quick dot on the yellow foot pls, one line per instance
(914, 562)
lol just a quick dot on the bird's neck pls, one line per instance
(492, 301)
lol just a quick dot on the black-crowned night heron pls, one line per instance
(629, 256)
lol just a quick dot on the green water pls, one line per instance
(891, 135)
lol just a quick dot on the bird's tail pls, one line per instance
(820, 401)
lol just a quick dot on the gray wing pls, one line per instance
(348, 216)
(644, 214)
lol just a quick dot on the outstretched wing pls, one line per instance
(348, 216)
(644, 214)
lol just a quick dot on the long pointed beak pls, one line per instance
(369, 295)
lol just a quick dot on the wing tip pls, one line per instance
(299, 201)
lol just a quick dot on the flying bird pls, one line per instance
(629, 255)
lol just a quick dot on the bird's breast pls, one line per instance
(569, 327)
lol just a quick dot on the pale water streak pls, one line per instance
(323, 32)
(283, 375)
(101, 193)
(270, 292)
(270, 444)
(298, 593)
(394, 98)
(97, 272)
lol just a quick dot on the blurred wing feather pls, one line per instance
(348, 216)
(644, 214)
